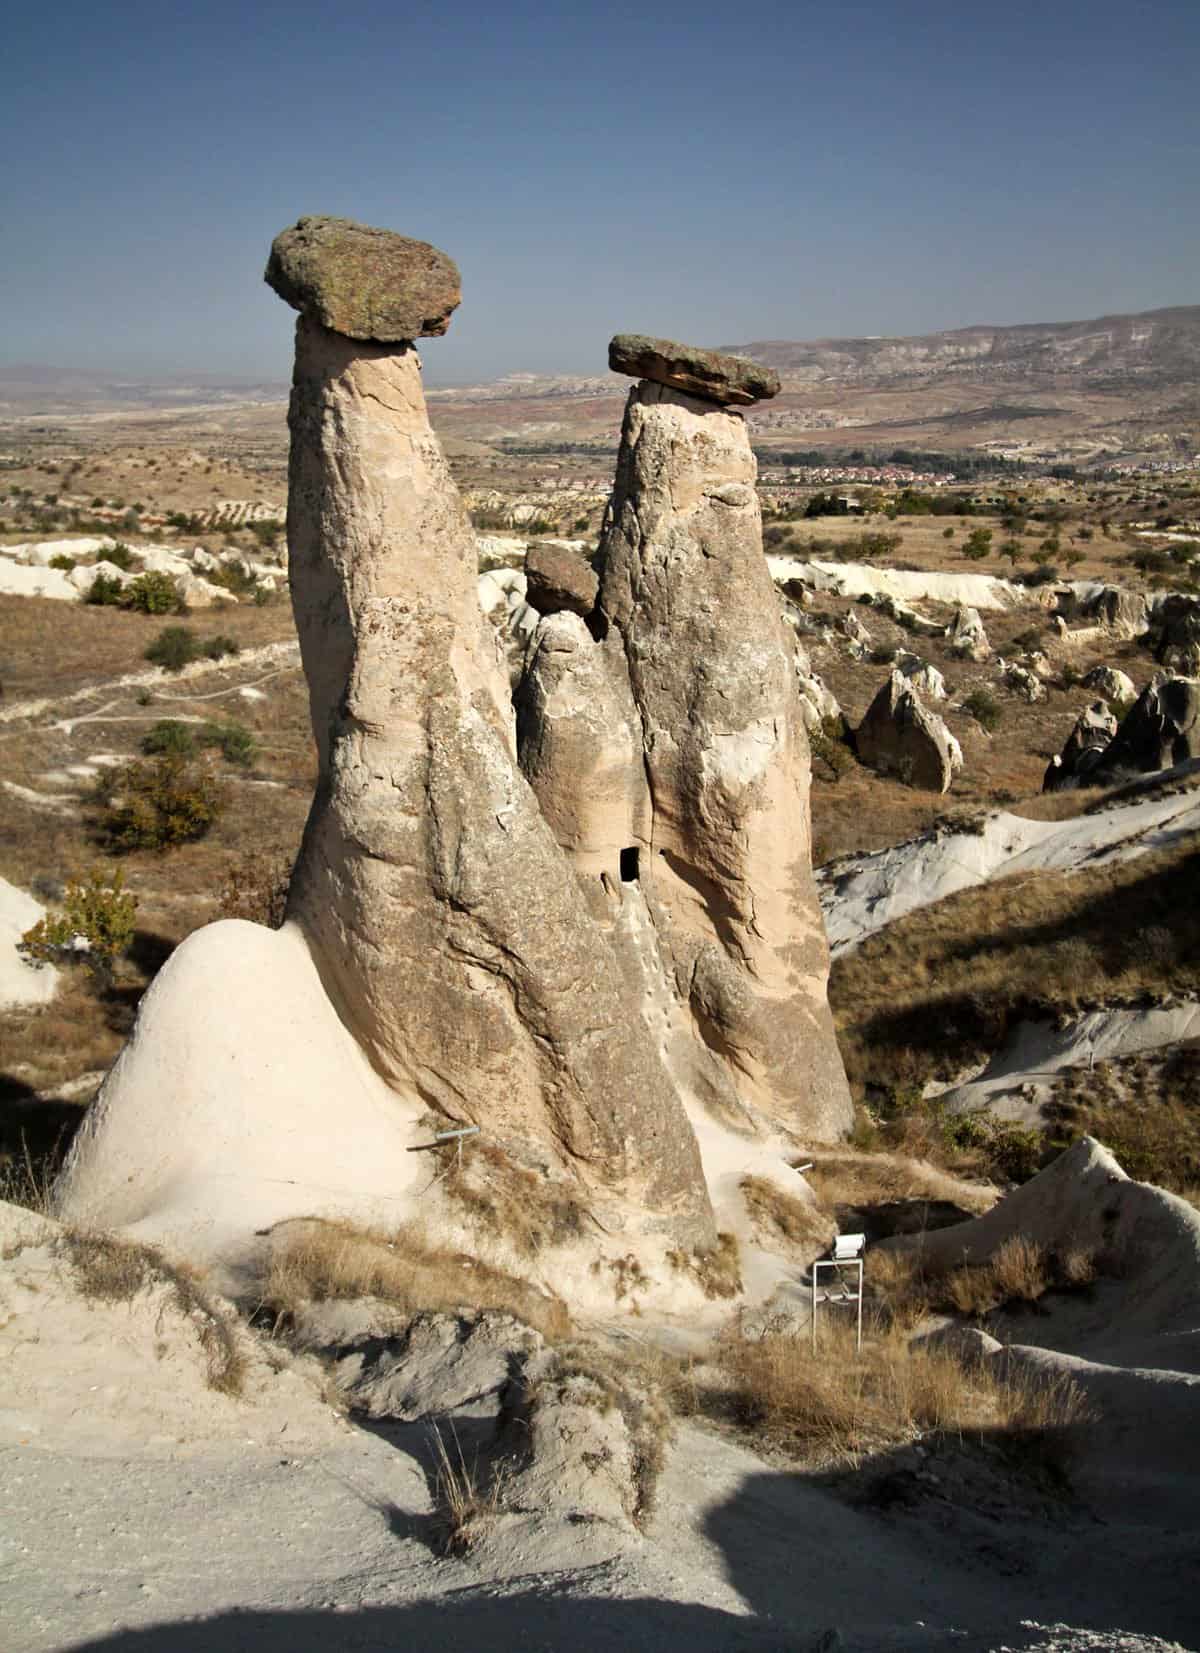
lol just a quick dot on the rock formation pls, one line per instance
(1161, 729)
(1176, 628)
(898, 737)
(558, 579)
(1112, 683)
(583, 952)
(1085, 746)
(966, 637)
(1022, 681)
(728, 381)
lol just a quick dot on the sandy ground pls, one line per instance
(258, 1548)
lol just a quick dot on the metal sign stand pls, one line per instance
(847, 1254)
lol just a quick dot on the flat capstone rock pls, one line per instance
(726, 380)
(362, 282)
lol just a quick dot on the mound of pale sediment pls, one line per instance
(21, 983)
(1020, 1077)
(862, 894)
(240, 1099)
(1143, 1240)
(109, 1348)
(980, 591)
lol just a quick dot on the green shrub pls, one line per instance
(977, 544)
(235, 742)
(157, 803)
(828, 745)
(174, 648)
(65, 563)
(983, 707)
(105, 590)
(234, 577)
(101, 912)
(216, 648)
(169, 737)
(153, 593)
(120, 556)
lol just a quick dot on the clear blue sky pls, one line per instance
(717, 172)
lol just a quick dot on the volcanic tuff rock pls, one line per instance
(1177, 628)
(899, 737)
(580, 957)
(1161, 729)
(966, 636)
(1111, 683)
(1086, 744)
(365, 283)
(726, 380)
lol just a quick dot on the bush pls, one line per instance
(174, 648)
(256, 890)
(169, 738)
(235, 742)
(100, 913)
(105, 591)
(983, 707)
(216, 648)
(158, 803)
(234, 577)
(977, 544)
(120, 556)
(153, 594)
(65, 563)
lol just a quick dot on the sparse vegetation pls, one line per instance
(112, 1270)
(512, 1203)
(837, 1405)
(313, 1259)
(95, 926)
(256, 889)
(157, 803)
(715, 1269)
(984, 708)
(469, 1499)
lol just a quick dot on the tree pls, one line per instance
(977, 544)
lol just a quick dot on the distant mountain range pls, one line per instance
(1152, 348)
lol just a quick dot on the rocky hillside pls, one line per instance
(1151, 348)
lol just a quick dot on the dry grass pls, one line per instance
(469, 1500)
(786, 1222)
(943, 985)
(111, 1270)
(907, 1286)
(838, 1406)
(313, 1259)
(716, 1269)
(510, 1202)
(861, 1179)
(51, 648)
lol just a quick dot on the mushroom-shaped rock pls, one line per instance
(559, 579)
(726, 380)
(362, 282)
(899, 737)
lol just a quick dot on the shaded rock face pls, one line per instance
(1177, 639)
(1022, 681)
(1161, 729)
(363, 282)
(726, 380)
(559, 579)
(1085, 746)
(449, 929)
(899, 737)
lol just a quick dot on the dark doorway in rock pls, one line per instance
(629, 865)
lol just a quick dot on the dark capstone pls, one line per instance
(705, 373)
(362, 282)
(558, 578)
